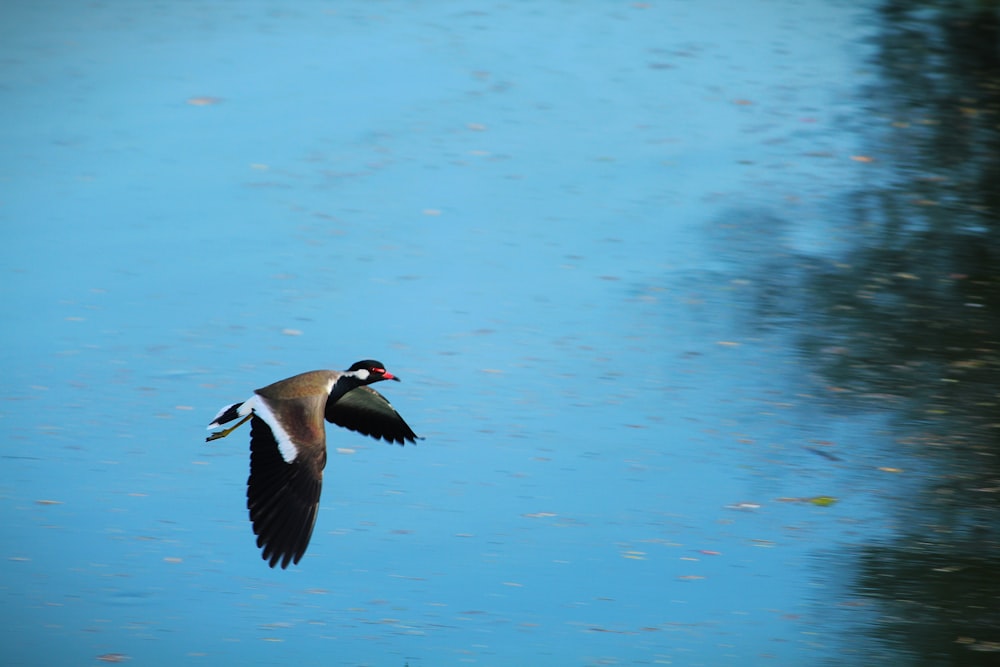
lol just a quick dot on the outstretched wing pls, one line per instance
(366, 411)
(282, 496)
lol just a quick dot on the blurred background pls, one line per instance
(695, 304)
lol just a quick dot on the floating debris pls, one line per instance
(821, 501)
(824, 454)
(204, 100)
(743, 507)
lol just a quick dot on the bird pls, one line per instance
(288, 446)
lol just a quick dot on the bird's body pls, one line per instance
(288, 446)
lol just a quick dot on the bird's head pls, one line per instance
(369, 371)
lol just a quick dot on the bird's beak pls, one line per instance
(390, 376)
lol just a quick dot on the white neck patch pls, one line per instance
(362, 374)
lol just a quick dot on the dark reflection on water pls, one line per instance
(904, 319)
(908, 319)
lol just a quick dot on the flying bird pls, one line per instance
(288, 446)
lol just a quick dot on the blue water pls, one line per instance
(513, 207)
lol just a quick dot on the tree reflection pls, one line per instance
(910, 317)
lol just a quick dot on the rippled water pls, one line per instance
(578, 232)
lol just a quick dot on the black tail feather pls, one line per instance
(226, 415)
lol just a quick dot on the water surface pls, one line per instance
(591, 238)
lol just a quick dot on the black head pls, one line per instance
(369, 371)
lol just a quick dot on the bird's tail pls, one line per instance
(226, 415)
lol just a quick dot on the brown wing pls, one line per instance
(283, 497)
(368, 412)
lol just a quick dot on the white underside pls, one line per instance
(285, 445)
(289, 451)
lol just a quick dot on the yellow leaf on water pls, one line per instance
(823, 501)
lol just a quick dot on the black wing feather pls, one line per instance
(366, 411)
(282, 497)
